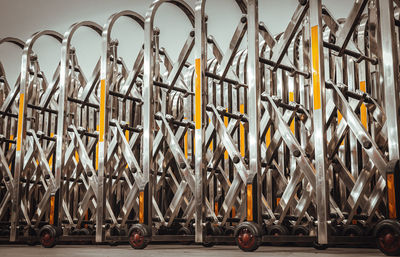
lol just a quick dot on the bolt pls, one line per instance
(303, 2)
(236, 159)
(367, 144)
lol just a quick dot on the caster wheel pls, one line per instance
(113, 243)
(387, 234)
(278, 230)
(47, 235)
(211, 230)
(300, 231)
(320, 247)
(352, 230)
(248, 236)
(84, 232)
(139, 236)
(114, 231)
(32, 241)
(185, 231)
(5, 232)
(229, 231)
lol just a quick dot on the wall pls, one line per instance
(20, 18)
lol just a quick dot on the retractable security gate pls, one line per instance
(275, 137)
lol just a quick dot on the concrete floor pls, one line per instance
(178, 250)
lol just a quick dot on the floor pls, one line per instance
(178, 250)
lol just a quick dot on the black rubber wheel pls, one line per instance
(47, 235)
(248, 236)
(301, 231)
(352, 230)
(4, 232)
(84, 232)
(139, 236)
(114, 231)
(211, 230)
(387, 234)
(186, 232)
(277, 230)
(32, 241)
(229, 231)
(320, 247)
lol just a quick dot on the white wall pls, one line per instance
(21, 18)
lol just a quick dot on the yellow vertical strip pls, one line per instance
(51, 157)
(249, 202)
(363, 108)
(391, 196)
(102, 109)
(233, 212)
(127, 139)
(141, 207)
(315, 66)
(186, 145)
(86, 218)
(268, 137)
(291, 99)
(197, 93)
(20, 117)
(52, 201)
(242, 141)
(216, 208)
(77, 156)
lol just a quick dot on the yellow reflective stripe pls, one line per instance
(233, 212)
(242, 136)
(291, 99)
(20, 117)
(391, 196)
(315, 66)
(250, 202)
(186, 145)
(141, 207)
(363, 108)
(216, 208)
(52, 201)
(197, 93)
(268, 137)
(102, 109)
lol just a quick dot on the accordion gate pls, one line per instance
(287, 138)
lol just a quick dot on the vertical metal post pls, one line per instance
(19, 153)
(103, 129)
(145, 207)
(390, 72)
(318, 84)
(253, 107)
(200, 95)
